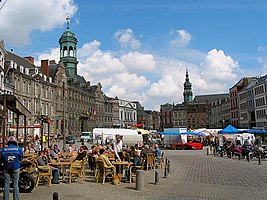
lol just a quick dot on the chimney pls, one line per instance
(45, 67)
(30, 59)
(52, 62)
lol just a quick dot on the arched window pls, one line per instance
(65, 51)
(71, 51)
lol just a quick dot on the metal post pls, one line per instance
(259, 159)
(166, 169)
(139, 185)
(17, 128)
(64, 120)
(4, 121)
(156, 178)
(55, 196)
(169, 167)
(25, 132)
(208, 151)
(48, 134)
(42, 133)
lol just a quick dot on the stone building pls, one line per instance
(234, 107)
(219, 115)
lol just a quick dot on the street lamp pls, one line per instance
(64, 80)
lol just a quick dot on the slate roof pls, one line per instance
(209, 98)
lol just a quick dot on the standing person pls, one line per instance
(11, 156)
(117, 146)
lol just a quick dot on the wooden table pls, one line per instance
(62, 166)
(122, 163)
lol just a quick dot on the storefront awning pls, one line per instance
(14, 105)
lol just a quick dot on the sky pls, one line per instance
(139, 50)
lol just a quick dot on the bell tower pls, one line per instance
(68, 51)
(188, 94)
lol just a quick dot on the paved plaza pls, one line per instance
(194, 175)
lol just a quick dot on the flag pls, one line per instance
(94, 111)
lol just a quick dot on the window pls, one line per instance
(24, 86)
(46, 93)
(36, 107)
(42, 92)
(37, 89)
(29, 88)
(29, 105)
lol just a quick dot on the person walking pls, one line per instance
(11, 156)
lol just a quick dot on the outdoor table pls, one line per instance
(122, 163)
(62, 166)
(26, 155)
(64, 160)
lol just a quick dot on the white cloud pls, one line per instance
(127, 39)
(23, 17)
(119, 73)
(182, 39)
(138, 62)
(53, 55)
(218, 70)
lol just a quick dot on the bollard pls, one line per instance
(259, 160)
(156, 178)
(139, 184)
(169, 166)
(166, 170)
(55, 196)
(208, 151)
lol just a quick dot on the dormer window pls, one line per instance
(27, 71)
(21, 69)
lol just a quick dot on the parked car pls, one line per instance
(86, 136)
(70, 139)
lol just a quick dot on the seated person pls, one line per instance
(104, 158)
(108, 149)
(137, 161)
(146, 150)
(70, 148)
(51, 152)
(157, 153)
(56, 149)
(82, 154)
(43, 161)
(84, 146)
(29, 149)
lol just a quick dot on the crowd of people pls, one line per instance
(233, 146)
(134, 154)
(12, 155)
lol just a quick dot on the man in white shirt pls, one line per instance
(117, 146)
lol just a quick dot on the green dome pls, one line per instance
(68, 36)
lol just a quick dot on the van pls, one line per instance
(86, 136)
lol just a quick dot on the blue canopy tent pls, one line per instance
(255, 131)
(229, 130)
(193, 133)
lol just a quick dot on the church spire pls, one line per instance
(188, 94)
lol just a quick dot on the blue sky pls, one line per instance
(140, 49)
